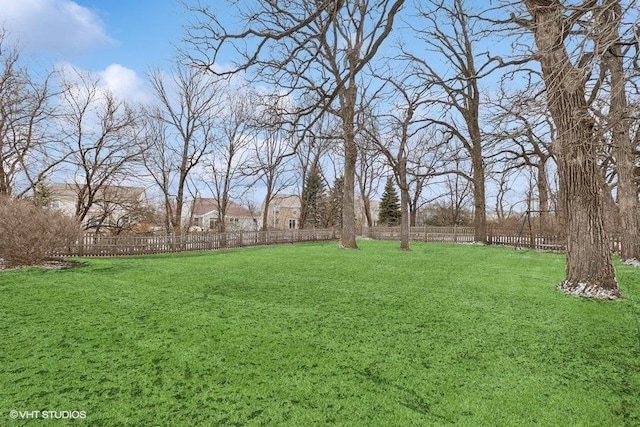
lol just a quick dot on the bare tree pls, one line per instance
(271, 152)
(370, 165)
(400, 127)
(449, 33)
(179, 131)
(452, 207)
(424, 164)
(311, 152)
(230, 150)
(27, 150)
(523, 136)
(314, 49)
(100, 132)
(619, 122)
(589, 270)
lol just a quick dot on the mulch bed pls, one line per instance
(54, 264)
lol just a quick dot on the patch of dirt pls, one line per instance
(52, 264)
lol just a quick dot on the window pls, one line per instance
(292, 223)
(55, 204)
(197, 221)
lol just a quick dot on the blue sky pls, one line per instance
(116, 39)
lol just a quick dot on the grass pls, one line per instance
(312, 335)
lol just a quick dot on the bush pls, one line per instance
(30, 234)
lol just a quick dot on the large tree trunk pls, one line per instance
(404, 205)
(265, 212)
(543, 194)
(622, 144)
(366, 205)
(348, 232)
(413, 215)
(477, 160)
(479, 197)
(589, 270)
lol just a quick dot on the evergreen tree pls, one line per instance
(389, 206)
(312, 209)
(334, 208)
(42, 194)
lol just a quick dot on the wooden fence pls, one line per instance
(424, 234)
(453, 234)
(517, 238)
(99, 245)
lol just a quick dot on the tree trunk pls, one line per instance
(622, 144)
(404, 220)
(589, 270)
(348, 232)
(366, 204)
(479, 199)
(265, 210)
(543, 194)
(477, 161)
(404, 205)
(413, 215)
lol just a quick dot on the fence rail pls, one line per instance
(99, 245)
(424, 234)
(453, 234)
(518, 238)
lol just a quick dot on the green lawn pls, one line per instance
(305, 335)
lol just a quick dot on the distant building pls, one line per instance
(205, 216)
(284, 212)
(361, 218)
(114, 206)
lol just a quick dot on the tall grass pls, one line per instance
(313, 335)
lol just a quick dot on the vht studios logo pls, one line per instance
(52, 415)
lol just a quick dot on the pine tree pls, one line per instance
(42, 194)
(312, 209)
(389, 206)
(334, 208)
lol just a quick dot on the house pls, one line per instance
(284, 212)
(361, 217)
(114, 207)
(205, 216)
(63, 197)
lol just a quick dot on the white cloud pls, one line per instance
(55, 26)
(124, 83)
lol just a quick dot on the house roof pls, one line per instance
(108, 192)
(285, 201)
(203, 206)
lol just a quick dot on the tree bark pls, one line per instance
(479, 198)
(622, 143)
(589, 269)
(347, 113)
(543, 194)
(404, 205)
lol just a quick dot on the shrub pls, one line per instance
(30, 234)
